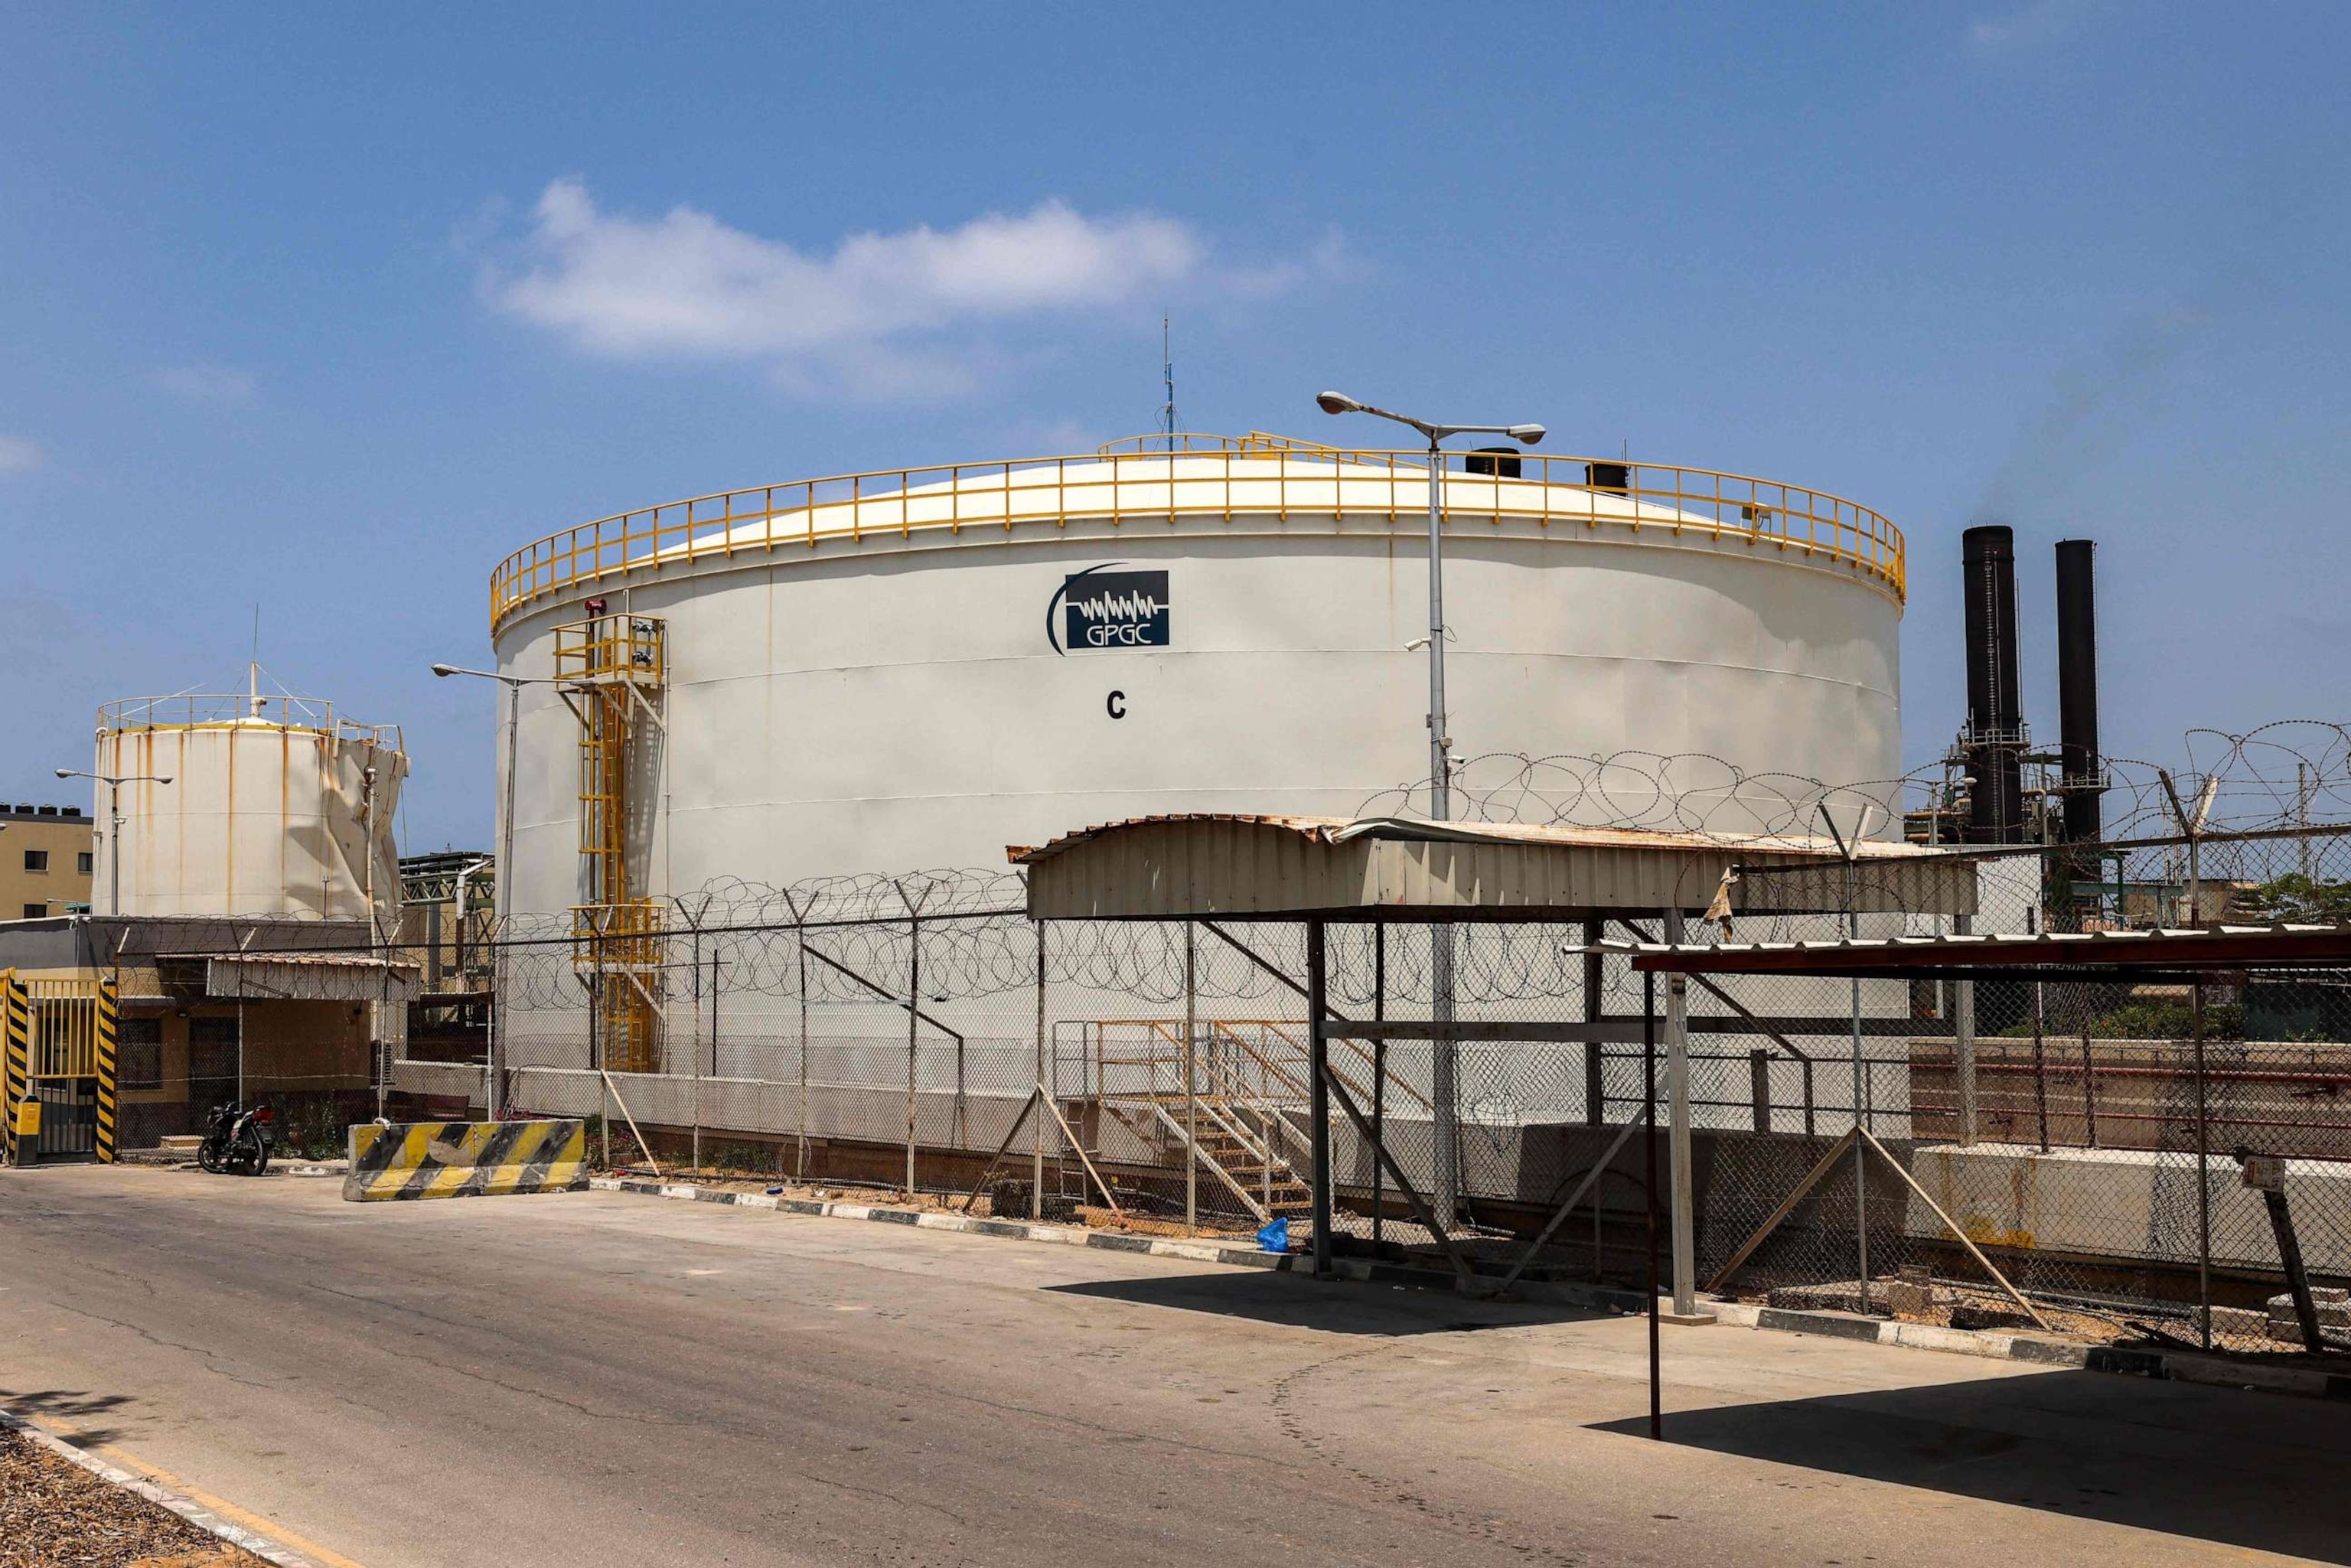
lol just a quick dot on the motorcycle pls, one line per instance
(237, 1141)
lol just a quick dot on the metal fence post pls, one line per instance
(1649, 1149)
(1759, 1086)
(1318, 1099)
(1595, 1054)
(2040, 1067)
(2203, 1167)
(1036, 1128)
(1191, 1086)
(1964, 1042)
(694, 1044)
(799, 946)
(1677, 1097)
(1444, 1079)
(914, 1037)
(1379, 1081)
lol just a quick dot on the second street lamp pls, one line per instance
(492, 1099)
(114, 783)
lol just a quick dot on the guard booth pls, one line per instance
(58, 1098)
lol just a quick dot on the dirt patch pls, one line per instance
(55, 1515)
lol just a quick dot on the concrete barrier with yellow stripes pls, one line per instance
(465, 1159)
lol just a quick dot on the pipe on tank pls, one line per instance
(2077, 686)
(1995, 732)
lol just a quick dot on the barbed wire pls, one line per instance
(850, 939)
(2286, 774)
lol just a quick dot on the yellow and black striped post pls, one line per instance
(17, 1044)
(109, 1010)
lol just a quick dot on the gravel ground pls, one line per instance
(54, 1514)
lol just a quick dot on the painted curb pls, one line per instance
(931, 1219)
(1994, 1345)
(186, 1508)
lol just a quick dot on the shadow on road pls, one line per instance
(1330, 1307)
(73, 1407)
(2247, 1470)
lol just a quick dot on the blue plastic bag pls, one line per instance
(1275, 1237)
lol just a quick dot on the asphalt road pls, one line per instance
(599, 1379)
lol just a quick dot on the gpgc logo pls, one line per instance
(1102, 608)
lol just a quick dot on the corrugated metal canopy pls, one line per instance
(1240, 866)
(310, 977)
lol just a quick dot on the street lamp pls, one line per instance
(1440, 744)
(513, 685)
(114, 783)
(1445, 1056)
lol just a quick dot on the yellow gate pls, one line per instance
(58, 1092)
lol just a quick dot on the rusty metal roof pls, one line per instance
(1342, 830)
(2066, 953)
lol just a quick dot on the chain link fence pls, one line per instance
(2064, 1154)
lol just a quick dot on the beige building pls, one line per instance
(45, 855)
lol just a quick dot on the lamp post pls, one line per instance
(1445, 1054)
(491, 1096)
(1440, 766)
(114, 783)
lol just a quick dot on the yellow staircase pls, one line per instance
(611, 667)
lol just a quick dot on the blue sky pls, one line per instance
(328, 309)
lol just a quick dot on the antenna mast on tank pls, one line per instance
(1167, 380)
(253, 669)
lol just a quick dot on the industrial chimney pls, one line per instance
(1994, 738)
(2077, 687)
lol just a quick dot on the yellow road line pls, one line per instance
(268, 1529)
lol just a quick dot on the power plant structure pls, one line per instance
(274, 807)
(1994, 751)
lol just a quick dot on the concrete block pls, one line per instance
(2104, 1203)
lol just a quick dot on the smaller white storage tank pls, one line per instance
(275, 807)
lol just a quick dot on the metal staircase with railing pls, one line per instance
(1249, 1090)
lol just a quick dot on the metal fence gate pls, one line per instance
(58, 1093)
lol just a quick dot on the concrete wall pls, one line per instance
(2127, 1203)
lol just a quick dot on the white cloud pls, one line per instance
(222, 384)
(17, 455)
(869, 315)
(2035, 24)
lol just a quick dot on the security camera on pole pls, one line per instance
(1445, 1092)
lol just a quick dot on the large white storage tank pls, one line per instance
(880, 672)
(275, 807)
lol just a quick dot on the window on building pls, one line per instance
(84, 863)
(139, 1052)
(36, 911)
(212, 1060)
(37, 860)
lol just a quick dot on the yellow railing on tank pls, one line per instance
(1210, 477)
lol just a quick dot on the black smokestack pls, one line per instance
(1995, 732)
(2077, 686)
